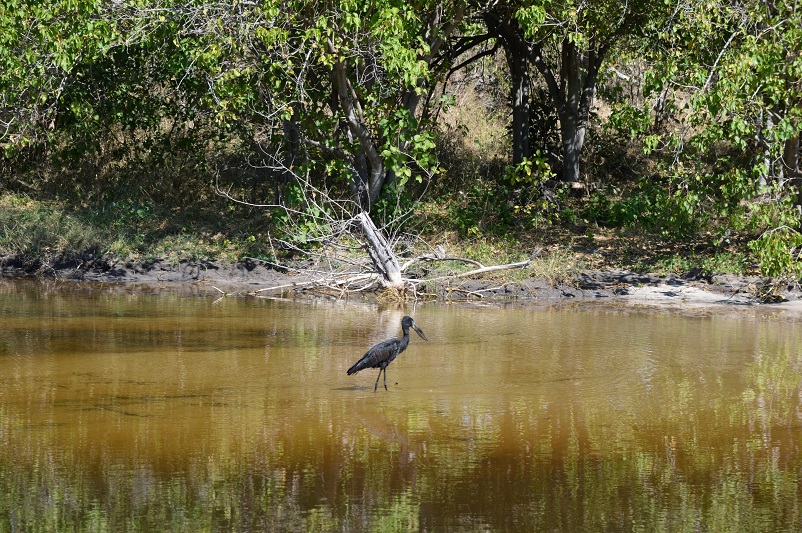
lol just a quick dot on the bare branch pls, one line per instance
(483, 270)
(430, 257)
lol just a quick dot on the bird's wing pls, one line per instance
(373, 357)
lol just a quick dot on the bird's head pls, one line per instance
(407, 322)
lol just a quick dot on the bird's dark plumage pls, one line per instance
(385, 352)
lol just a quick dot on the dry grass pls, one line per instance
(38, 233)
(557, 265)
(479, 124)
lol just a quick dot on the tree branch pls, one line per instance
(430, 257)
(483, 270)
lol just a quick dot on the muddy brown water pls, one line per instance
(131, 412)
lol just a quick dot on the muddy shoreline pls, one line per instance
(247, 277)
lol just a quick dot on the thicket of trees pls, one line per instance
(289, 102)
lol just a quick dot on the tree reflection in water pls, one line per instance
(142, 413)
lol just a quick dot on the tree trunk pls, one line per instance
(370, 172)
(760, 142)
(521, 105)
(572, 133)
(292, 156)
(572, 96)
(516, 51)
(381, 253)
(791, 165)
(360, 180)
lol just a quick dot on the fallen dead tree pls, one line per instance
(373, 281)
(386, 272)
(350, 254)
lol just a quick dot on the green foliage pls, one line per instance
(41, 42)
(365, 55)
(131, 113)
(481, 210)
(531, 172)
(167, 85)
(730, 75)
(779, 252)
(305, 219)
(582, 24)
(650, 208)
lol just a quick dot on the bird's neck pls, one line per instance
(405, 338)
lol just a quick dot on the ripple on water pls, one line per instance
(241, 417)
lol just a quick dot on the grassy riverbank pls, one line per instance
(41, 234)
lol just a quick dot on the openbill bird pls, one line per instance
(385, 352)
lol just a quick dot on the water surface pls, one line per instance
(126, 412)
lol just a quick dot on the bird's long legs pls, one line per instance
(376, 386)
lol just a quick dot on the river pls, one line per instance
(124, 411)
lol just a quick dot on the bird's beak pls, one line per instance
(419, 331)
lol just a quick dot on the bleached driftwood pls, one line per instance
(384, 270)
(369, 281)
(476, 272)
(381, 253)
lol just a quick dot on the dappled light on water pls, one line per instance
(143, 413)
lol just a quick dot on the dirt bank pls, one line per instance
(247, 277)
